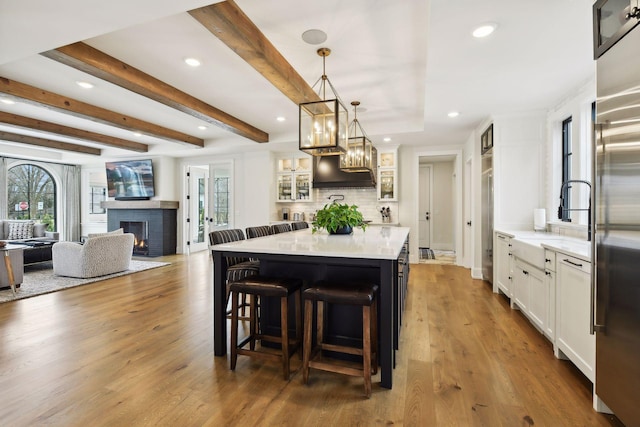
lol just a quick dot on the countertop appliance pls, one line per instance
(617, 220)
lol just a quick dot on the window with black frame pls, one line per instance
(566, 169)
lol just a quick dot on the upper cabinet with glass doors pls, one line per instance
(294, 178)
(612, 19)
(388, 174)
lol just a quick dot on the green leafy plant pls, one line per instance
(335, 216)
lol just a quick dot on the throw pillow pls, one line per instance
(20, 230)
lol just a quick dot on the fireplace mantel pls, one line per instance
(139, 204)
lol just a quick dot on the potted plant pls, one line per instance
(338, 218)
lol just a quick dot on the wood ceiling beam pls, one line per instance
(97, 63)
(41, 125)
(48, 143)
(226, 21)
(53, 101)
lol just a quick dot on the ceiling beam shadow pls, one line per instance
(54, 128)
(42, 98)
(227, 22)
(98, 64)
(48, 143)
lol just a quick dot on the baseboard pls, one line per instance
(476, 273)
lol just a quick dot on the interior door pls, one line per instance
(198, 218)
(424, 204)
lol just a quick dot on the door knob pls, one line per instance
(469, 223)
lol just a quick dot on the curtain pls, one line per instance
(4, 212)
(71, 203)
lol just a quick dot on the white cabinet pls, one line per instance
(573, 314)
(503, 265)
(388, 174)
(550, 277)
(294, 178)
(530, 292)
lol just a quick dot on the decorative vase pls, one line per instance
(347, 229)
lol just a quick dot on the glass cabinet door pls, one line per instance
(612, 19)
(387, 160)
(303, 164)
(286, 165)
(303, 184)
(284, 187)
(387, 184)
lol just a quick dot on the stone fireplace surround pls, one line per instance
(160, 215)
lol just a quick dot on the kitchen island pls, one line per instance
(370, 255)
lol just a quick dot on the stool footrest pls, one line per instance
(341, 349)
(332, 367)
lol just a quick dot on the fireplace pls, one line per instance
(140, 231)
(158, 219)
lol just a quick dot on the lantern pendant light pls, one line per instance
(323, 123)
(361, 155)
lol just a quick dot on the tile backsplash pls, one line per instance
(365, 198)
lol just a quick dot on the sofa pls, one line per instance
(97, 256)
(21, 230)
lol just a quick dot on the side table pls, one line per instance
(7, 263)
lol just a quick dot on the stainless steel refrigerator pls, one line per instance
(487, 215)
(617, 219)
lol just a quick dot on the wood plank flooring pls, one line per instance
(137, 350)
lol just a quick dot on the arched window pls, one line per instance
(32, 195)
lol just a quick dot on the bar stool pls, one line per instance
(280, 228)
(262, 286)
(359, 294)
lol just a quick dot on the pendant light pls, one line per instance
(323, 124)
(361, 155)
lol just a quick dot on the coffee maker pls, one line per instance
(285, 214)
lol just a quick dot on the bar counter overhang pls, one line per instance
(370, 255)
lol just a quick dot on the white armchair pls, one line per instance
(98, 256)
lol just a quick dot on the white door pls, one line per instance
(466, 236)
(197, 224)
(424, 207)
(221, 196)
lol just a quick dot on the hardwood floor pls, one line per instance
(137, 350)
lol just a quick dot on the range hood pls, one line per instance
(327, 174)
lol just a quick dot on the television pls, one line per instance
(130, 179)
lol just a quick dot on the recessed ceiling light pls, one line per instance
(280, 119)
(453, 114)
(387, 139)
(192, 62)
(7, 101)
(484, 30)
(314, 36)
(85, 85)
(201, 127)
(137, 134)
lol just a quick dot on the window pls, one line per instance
(566, 170)
(31, 194)
(221, 201)
(98, 194)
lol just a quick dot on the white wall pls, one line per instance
(518, 171)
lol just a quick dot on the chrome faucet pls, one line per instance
(562, 209)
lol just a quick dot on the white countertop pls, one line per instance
(567, 245)
(377, 242)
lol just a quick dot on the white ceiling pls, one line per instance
(408, 62)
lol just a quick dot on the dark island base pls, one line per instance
(343, 323)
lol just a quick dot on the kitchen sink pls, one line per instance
(529, 250)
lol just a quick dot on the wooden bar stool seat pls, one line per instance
(358, 294)
(262, 286)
